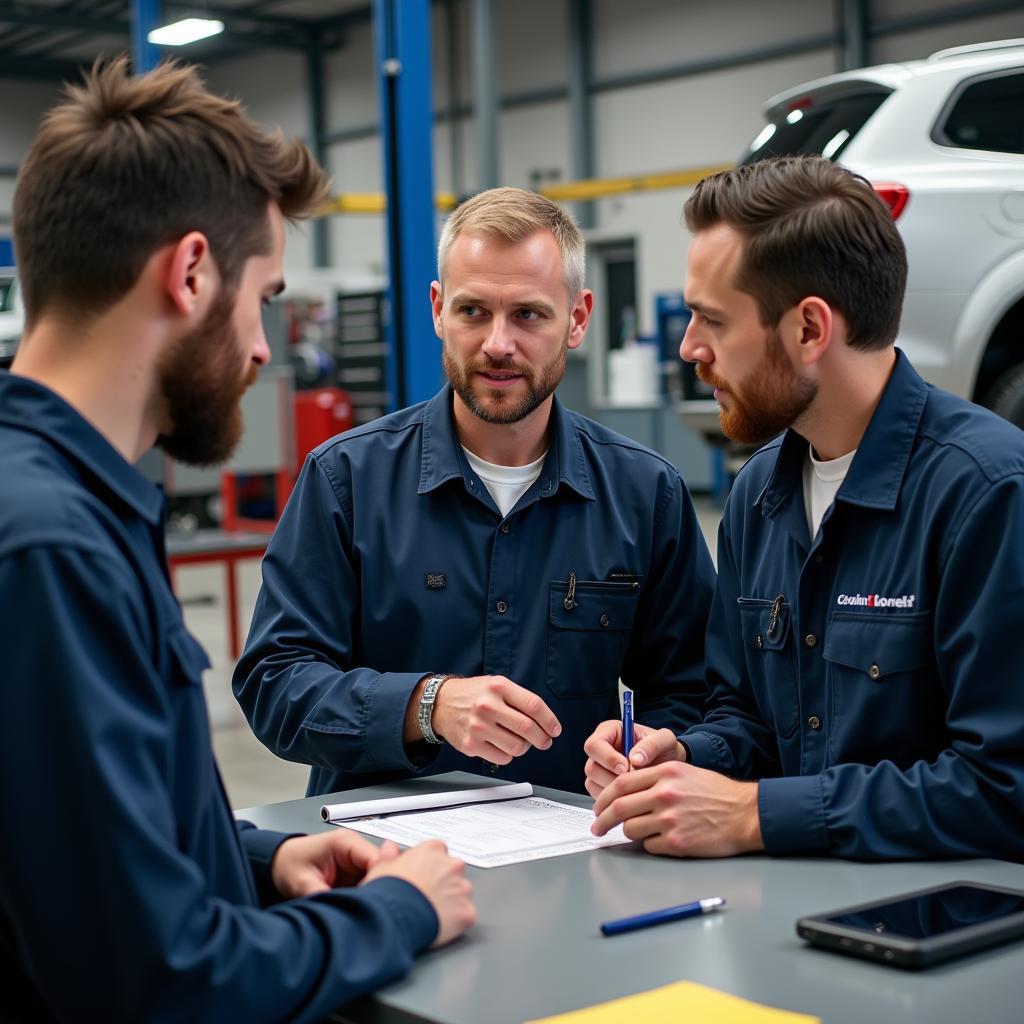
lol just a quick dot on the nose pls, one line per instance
(260, 349)
(500, 342)
(693, 349)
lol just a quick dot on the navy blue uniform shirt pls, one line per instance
(127, 892)
(392, 561)
(873, 678)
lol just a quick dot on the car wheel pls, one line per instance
(1006, 396)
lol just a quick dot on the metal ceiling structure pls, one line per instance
(52, 40)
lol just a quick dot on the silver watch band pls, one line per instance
(425, 710)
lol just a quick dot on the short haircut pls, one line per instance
(512, 214)
(810, 227)
(125, 165)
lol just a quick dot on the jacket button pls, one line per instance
(604, 620)
(875, 672)
(505, 527)
(502, 607)
(814, 722)
(810, 639)
(818, 559)
(759, 641)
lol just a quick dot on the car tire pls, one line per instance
(1006, 396)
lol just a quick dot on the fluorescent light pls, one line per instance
(188, 30)
(762, 137)
(834, 143)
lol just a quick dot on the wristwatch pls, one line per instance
(425, 711)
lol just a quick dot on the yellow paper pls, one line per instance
(683, 1001)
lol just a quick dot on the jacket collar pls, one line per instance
(30, 406)
(880, 465)
(442, 459)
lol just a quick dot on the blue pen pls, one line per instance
(627, 723)
(629, 924)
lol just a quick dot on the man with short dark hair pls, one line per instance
(149, 227)
(865, 644)
(460, 585)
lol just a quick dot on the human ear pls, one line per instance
(579, 317)
(815, 321)
(189, 273)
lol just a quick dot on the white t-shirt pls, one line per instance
(506, 484)
(822, 481)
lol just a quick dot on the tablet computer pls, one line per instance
(917, 929)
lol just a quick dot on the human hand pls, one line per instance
(304, 865)
(493, 718)
(442, 879)
(680, 810)
(605, 762)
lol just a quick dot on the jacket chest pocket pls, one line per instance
(768, 651)
(882, 683)
(589, 623)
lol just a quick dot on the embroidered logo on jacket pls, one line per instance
(435, 580)
(877, 601)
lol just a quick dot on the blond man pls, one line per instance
(461, 584)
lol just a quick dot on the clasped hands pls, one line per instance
(673, 808)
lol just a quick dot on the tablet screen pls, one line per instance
(932, 914)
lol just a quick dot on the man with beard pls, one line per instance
(461, 584)
(865, 642)
(149, 226)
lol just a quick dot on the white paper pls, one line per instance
(495, 834)
(423, 801)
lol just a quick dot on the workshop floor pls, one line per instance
(251, 773)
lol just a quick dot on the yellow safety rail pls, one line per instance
(571, 191)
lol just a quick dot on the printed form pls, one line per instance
(491, 835)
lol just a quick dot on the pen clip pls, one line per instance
(570, 598)
(773, 619)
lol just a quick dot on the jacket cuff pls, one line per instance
(706, 750)
(792, 813)
(260, 846)
(386, 705)
(413, 912)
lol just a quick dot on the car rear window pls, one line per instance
(986, 113)
(6, 294)
(822, 127)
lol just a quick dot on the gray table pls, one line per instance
(536, 949)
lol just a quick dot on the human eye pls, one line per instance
(470, 310)
(529, 315)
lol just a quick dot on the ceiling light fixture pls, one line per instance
(188, 30)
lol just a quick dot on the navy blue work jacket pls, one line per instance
(872, 678)
(127, 892)
(391, 561)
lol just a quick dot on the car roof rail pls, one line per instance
(963, 51)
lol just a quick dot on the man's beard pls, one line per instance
(771, 399)
(496, 406)
(201, 383)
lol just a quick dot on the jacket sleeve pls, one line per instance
(298, 681)
(969, 801)
(664, 663)
(734, 738)
(106, 913)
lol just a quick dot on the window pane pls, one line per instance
(822, 128)
(988, 115)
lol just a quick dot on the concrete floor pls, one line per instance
(252, 774)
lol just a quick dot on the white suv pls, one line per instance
(942, 140)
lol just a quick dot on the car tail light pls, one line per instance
(894, 196)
